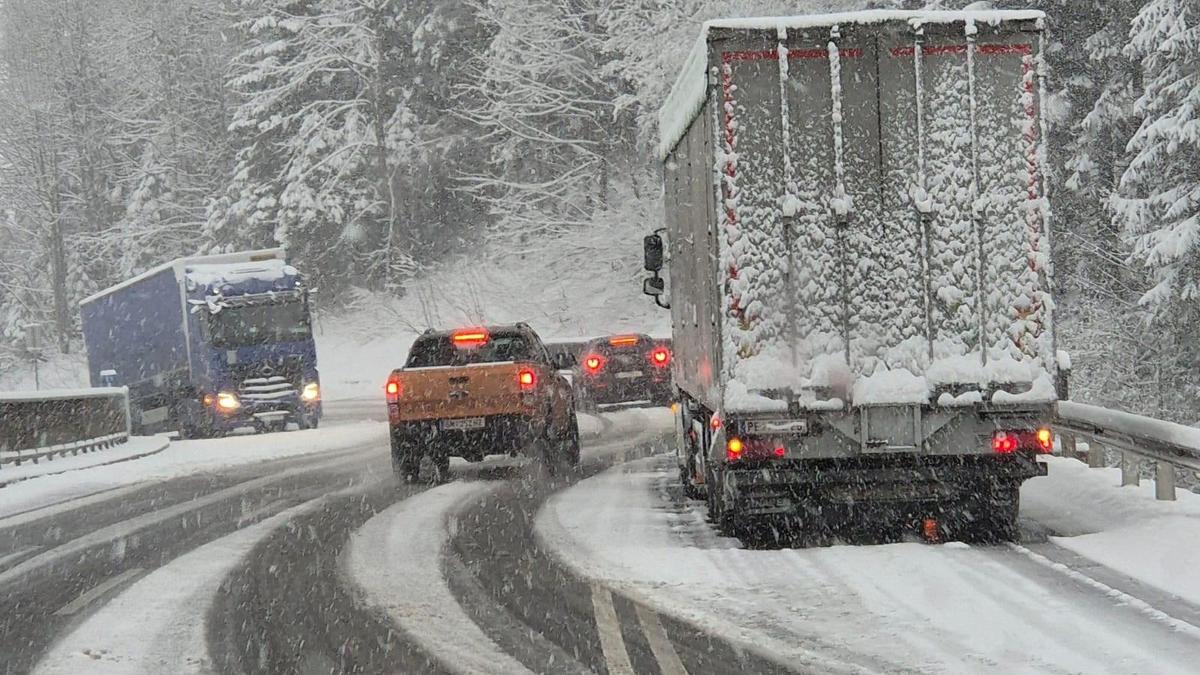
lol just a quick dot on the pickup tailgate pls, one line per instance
(454, 392)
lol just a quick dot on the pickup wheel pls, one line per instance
(406, 461)
(570, 442)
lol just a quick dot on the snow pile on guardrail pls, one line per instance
(1181, 436)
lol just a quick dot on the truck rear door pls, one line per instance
(901, 220)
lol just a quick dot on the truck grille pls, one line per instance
(266, 388)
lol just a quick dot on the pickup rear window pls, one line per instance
(440, 351)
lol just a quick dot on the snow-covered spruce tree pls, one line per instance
(175, 148)
(1092, 117)
(545, 111)
(323, 127)
(1159, 200)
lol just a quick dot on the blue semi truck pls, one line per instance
(208, 344)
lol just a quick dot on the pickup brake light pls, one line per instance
(526, 379)
(393, 388)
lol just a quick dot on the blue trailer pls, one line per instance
(208, 344)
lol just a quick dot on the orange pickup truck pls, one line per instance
(480, 391)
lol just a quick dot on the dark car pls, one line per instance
(624, 369)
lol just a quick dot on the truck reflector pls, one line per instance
(733, 449)
(623, 340)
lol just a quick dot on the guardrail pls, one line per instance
(46, 424)
(1170, 446)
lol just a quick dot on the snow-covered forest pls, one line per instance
(374, 138)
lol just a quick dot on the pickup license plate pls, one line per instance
(464, 424)
(629, 375)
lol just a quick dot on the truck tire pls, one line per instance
(989, 516)
(307, 421)
(721, 520)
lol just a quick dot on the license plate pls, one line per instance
(464, 424)
(631, 375)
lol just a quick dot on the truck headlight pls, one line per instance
(228, 401)
(312, 392)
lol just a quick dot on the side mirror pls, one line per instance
(653, 246)
(562, 361)
(655, 286)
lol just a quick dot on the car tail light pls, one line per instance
(660, 357)
(1010, 441)
(593, 363)
(623, 340)
(469, 337)
(737, 449)
(393, 388)
(526, 379)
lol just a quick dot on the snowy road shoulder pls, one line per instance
(158, 624)
(952, 608)
(136, 447)
(1123, 528)
(395, 563)
(183, 458)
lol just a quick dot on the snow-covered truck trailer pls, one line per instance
(208, 344)
(857, 243)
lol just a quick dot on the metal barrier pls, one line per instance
(46, 424)
(1170, 446)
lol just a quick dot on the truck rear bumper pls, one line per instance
(501, 434)
(898, 484)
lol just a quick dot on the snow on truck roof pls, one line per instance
(690, 89)
(211, 274)
(180, 265)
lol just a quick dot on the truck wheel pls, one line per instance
(307, 421)
(721, 520)
(989, 517)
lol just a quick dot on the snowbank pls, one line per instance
(1124, 528)
(395, 562)
(897, 607)
(158, 625)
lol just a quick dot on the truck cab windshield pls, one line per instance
(260, 324)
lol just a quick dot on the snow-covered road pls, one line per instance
(905, 606)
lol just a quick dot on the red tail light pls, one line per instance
(660, 356)
(1009, 441)
(526, 379)
(393, 388)
(593, 363)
